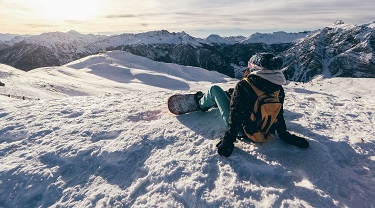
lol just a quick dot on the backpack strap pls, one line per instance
(257, 90)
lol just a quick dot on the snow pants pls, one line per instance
(217, 96)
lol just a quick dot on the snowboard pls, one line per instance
(182, 103)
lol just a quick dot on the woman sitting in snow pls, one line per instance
(263, 73)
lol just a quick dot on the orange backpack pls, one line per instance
(266, 109)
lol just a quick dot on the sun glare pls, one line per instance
(69, 9)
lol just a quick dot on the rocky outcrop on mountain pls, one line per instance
(205, 56)
(48, 49)
(3, 45)
(340, 50)
(28, 56)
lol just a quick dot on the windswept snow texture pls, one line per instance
(100, 135)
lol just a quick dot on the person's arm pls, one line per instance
(281, 125)
(238, 107)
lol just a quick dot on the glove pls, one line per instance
(225, 146)
(293, 139)
(229, 92)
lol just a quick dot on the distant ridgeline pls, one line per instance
(338, 50)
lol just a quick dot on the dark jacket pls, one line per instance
(242, 104)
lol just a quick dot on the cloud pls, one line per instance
(121, 16)
(201, 15)
(40, 25)
(16, 9)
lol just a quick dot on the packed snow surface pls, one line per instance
(97, 133)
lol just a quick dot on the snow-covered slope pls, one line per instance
(111, 72)
(118, 146)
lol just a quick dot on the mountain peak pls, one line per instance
(339, 22)
(73, 32)
(214, 38)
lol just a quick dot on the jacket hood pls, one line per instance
(275, 76)
(263, 84)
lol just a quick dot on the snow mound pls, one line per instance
(111, 62)
(108, 73)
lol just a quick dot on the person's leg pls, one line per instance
(216, 95)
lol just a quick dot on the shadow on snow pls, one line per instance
(328, 173)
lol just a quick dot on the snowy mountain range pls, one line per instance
(153, 37)
(57, 48)
(96, 132)
(342, 50)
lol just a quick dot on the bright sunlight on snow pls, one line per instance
(97, 133)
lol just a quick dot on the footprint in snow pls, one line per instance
(145, 116)
(105, 135)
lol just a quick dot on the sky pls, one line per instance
(198, 18)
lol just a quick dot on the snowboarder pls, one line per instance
(263, 72)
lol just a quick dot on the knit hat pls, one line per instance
(265, 61)
(267, 66)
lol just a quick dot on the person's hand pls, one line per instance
(293, 139)
(229, 92)
(225, 148)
